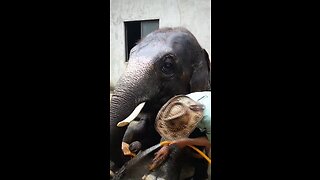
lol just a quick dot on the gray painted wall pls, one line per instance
(195, 15)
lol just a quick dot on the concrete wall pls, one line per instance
(195, 15)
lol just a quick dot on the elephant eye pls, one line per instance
(168, 66)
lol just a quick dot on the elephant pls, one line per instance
(167, 62)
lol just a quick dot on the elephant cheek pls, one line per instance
(185, 78)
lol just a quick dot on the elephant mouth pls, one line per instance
(132, 116)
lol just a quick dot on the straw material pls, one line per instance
(178, 117)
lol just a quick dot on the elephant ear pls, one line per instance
(201, 75)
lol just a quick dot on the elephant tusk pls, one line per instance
(132, 116)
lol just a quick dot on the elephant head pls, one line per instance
(167, 62)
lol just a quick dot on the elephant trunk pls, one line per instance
(116, 133)
(132, 89)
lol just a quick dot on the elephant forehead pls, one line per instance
(139, 65)
(151, 54)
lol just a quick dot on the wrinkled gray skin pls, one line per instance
(165, 63)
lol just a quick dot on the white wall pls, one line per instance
(195, 15)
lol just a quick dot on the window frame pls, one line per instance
(127, 50)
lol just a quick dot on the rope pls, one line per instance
(196, 149)
(168, 142)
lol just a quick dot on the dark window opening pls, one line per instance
(136, 30)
